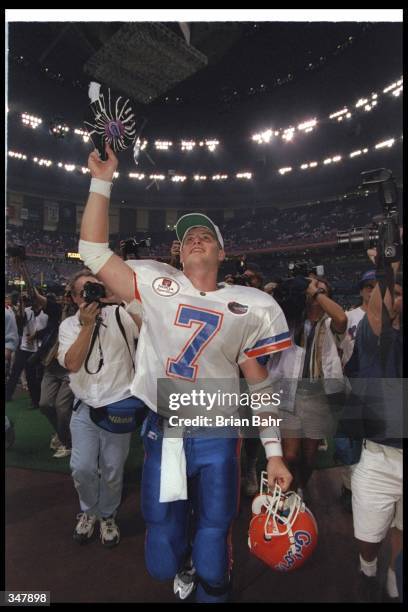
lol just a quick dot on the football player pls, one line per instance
(193, 328)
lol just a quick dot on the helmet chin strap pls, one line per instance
(275, 502)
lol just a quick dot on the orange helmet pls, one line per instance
(282, 532)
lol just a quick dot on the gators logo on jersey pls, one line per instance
(236, 308)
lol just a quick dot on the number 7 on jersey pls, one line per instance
(208, 324)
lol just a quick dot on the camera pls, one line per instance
(240, 278)
(303, 268)
(384, 231)
(131, 246)
(290, 292)
(17, 250)
(93, 292)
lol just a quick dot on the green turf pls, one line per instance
(31, 448)
(33, 433)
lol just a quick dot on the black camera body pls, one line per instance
(242, 279)
(303, 268)
(239, 278)
(384, 231)
(17, 250)
(93, 292)
(131, 247)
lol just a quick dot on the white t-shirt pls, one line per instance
(353, 319)
(188, 334)
(33, 324)
(112, 382)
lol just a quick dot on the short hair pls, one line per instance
(71, 283)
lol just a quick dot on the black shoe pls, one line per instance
(368, 589)
(345, 499)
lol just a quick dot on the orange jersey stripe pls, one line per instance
(269, 348)
(137, 294)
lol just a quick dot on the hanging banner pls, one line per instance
(14, 205)
(51, 216)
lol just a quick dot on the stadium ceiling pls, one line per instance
(222, 66)
(234, 79)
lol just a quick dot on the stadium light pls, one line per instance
(30, 120)
(284, 170)
(163, 145)
(385, 143)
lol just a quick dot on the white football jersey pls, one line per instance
(189, 334)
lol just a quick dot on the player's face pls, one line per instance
(200, 245)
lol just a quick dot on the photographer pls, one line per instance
(377, 486)
(97, 346)
(247, 275)
(34, 321)
(175, 254)
(311, 370)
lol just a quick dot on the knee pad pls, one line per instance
(209, 594)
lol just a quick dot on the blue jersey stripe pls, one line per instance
(271, 340)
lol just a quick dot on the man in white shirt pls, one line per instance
(34, 321)
(11, 344)
(193, 328)
(100, 360)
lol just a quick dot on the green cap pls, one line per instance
(187, 222)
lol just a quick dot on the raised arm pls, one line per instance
(94, 237)
(375, 305)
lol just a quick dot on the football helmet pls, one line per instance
(282, 531)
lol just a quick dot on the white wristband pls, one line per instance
(270, 438)
(102, 187)
(273, 447)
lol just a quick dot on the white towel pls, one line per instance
(173, 475)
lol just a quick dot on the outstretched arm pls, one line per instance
(94, 237)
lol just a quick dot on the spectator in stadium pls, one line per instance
(11, 337)
(367, 284)
(97, 347)
(377, 479)
(34, 320)
(56, 396)
(11, 344)
(175, 255)
(312, 372)
(270, 287)
(254, 275)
